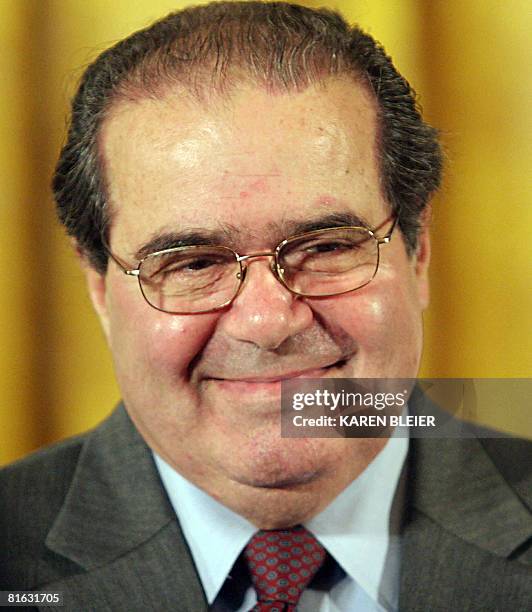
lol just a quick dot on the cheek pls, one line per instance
(380, 316)
(153, 342)
(359, 314)
(173, 341)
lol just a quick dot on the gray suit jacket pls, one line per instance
(89, 517)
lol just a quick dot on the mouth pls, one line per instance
(272, 383)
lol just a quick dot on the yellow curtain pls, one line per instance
(469, 62)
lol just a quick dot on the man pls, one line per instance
(263, 172)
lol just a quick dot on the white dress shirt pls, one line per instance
(354, 529)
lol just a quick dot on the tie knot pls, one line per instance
(282, 563)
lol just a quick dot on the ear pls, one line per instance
(422, 259)
(97, 286)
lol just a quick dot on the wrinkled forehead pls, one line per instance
(253, 162)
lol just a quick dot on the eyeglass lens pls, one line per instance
(198, 279)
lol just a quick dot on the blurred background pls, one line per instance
(470, 64)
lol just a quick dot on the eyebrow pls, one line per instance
(334, 219)
(227, 235)
(174, 239)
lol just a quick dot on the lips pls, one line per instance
(261, 396)
(315, 372)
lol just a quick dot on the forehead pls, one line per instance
(250, 161)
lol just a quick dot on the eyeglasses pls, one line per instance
(204, 278)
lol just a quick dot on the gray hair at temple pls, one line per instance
(210, 49)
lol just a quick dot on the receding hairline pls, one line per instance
(282, 44)
(199, 89)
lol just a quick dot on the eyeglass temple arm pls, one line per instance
(386, 238)
(125, 269)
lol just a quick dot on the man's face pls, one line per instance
(204, 389)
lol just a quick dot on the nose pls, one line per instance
(265, 313)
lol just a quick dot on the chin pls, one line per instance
(272, 462)
(278, 502)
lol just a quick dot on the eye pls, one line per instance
(192, 264)
(188, 265)
(328, 246)
(321, 248)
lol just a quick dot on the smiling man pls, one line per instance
(248, 187)
(196, 385)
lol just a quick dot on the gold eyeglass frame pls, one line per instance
(275, 267)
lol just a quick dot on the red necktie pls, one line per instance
(282, 563)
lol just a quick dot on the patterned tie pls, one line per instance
(282, 564)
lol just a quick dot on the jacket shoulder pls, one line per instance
(33, 491)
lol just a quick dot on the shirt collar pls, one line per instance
(215, 534)
(354, 528)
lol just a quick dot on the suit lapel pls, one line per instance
(456, 484)
(117, 524)
(464, 522)
(152, 576)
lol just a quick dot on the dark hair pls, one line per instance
(210, 48)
